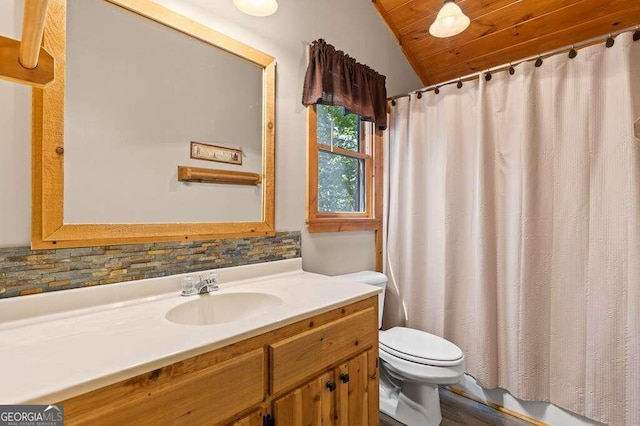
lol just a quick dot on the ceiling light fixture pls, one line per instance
(450, 21)
(257, 7)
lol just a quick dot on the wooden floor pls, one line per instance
(458, 410)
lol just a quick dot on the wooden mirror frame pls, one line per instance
(48, 229)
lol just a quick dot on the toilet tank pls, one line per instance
(372, 278)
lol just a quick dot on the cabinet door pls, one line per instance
(357, 391)
(346, 396)
(312, 404)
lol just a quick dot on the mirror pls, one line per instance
(136, 91)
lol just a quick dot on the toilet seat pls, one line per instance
(420, 347)
(407, 370)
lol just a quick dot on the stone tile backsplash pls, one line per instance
(23, 271)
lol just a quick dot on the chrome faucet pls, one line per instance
(205, 284)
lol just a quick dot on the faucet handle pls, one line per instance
(188, 285)
(212, 281)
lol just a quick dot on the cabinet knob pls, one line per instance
(331, 386)
(344, 377)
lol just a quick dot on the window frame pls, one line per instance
(371, 152)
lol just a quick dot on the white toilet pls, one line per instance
(413, 364)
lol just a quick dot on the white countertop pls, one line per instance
(79, 345)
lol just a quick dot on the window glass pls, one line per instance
(337, 129)
(341, 183)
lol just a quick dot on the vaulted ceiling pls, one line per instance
(501, 31)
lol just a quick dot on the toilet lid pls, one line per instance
(419, 346)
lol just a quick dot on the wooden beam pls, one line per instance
(35, 15)
(11, 70)
(26, 62)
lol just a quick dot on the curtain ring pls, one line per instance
(512, 70)
(573, 53)
(636, 34)
(393, 102)
(419, 95)
(436, 90)
(610, 41)
(487, 76)
(538, 63)
(459, 84)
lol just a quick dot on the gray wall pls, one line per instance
(15, 144)
(353, 26)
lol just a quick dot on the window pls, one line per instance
(344, 172)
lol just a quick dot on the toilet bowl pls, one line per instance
(413, 364)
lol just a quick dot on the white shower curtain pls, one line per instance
(514, 228)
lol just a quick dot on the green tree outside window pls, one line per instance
(340, 177)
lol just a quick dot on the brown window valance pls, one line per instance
(334, 78)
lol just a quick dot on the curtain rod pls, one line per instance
(572, 50)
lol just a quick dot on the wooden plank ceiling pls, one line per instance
(501, 31)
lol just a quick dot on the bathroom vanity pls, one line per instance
(322, 368)
(310, 359)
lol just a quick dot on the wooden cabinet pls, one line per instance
(322, 370)
(310, 404)
(344, 395)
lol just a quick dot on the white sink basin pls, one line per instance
(219, 308)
